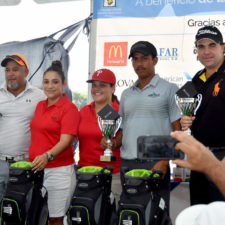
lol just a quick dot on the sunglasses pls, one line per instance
(16, 58)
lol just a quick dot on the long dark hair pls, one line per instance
(58, 68)
(114, 97)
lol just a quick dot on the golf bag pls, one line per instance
(25, 198)
(139, 202)
(93, 202)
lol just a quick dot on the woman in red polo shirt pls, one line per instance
(53, 130)
(89, 134)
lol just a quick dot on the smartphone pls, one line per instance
(158, 148)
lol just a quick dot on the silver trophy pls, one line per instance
(109, 129)
(188, 106)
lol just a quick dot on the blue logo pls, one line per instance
(168, 53)
(187, 75)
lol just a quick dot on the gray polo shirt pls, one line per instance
(149, 111)
(15, 116)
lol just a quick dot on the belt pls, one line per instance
(8, 158)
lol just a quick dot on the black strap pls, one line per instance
(67, 34)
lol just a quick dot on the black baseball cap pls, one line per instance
(144, 47)
(209, 32)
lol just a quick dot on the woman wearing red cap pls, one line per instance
(102, 90)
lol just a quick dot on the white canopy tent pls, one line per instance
(23, 20)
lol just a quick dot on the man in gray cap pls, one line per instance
(18, 100)
(147, 108)
(208, 126)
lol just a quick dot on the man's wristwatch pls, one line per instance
(49, 156)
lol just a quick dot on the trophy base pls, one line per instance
(105, 158)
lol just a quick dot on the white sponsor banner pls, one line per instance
(173, 36)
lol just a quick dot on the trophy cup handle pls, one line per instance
(118, 123)
(99, 123)
(177, 102)
(198, 101)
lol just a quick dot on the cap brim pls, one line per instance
(207, 39)
(6, 60)
(142, 51)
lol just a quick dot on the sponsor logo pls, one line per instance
(206, 32)
(79, 220)
(54, 116)
(128, 221)
(83, 185)
(168, 53)
(154, 95)
(131, 190)
(187, 75)
(179, 80)
(124, 83)
(201, 23)
(115, 53)
(217, 88)
(99, 72)
(13, 179)
(109, 3)
(8, 209)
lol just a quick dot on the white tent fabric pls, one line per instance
(42, 51)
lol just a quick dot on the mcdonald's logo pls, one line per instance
(115, 53)
(114, 49)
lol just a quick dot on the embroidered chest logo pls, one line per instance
(154, 95)
(54, 116)
(217, 88)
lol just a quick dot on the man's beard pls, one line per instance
(13, 86)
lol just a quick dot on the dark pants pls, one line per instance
(164, 188)
(203, 190)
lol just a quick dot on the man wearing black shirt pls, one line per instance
(208, 126)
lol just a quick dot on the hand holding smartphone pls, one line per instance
(158, 148)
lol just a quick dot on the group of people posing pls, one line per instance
(41, 126)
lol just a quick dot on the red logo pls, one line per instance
(115, 53)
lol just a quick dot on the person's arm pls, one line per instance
(176, 125)
(161, 165)
(200, 158)
(216, 173)
(40, 161)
